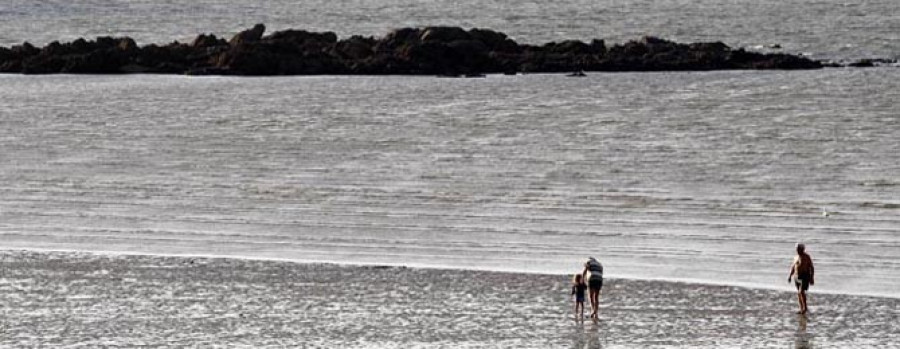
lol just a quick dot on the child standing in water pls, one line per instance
(578, 288)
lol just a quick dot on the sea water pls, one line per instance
(696, 176)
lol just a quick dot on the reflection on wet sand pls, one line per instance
(802, 338)
(198, 302)
(587, 336)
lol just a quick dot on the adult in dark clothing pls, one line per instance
(593, 273)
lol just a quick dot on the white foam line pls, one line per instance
(745, 285)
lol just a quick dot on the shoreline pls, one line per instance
(826, 68)
(682, 281)
(73, 300)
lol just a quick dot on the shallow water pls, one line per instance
(86, 301)
(832, 29)
(709, 177)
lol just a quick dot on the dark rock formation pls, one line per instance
(872, 62)
(248, 36)
(862, 63)
(210, 40)
(445, 51)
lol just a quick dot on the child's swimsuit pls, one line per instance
(578, 291)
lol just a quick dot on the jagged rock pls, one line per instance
(652, 40)
(249, 60)
(863, 63)
(717, 46)
(398, 40)
(569, 47)
(302, 36)
(448, 51)
(26, 49)
(872, 62)
(204, 40)
(247, 36)
(127, 44)
(403, 35)
(495, 41)
(354, 48)
(444, 34)
(5, 54)
(598, 46)
(469, 48)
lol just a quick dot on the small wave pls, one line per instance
(881, 183)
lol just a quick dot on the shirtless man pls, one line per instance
(803, 268)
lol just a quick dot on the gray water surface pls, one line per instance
(707, 177)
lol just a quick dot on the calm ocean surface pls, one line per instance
(707, 177)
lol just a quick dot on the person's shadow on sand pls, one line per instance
(587, 336)
(802, 338)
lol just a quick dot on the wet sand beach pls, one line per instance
(81, 300)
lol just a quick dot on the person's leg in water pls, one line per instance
(595, 286)
(803, 308)
(581, 306)
(801, 295)
(579, 309)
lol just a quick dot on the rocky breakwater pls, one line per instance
(408, 51)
